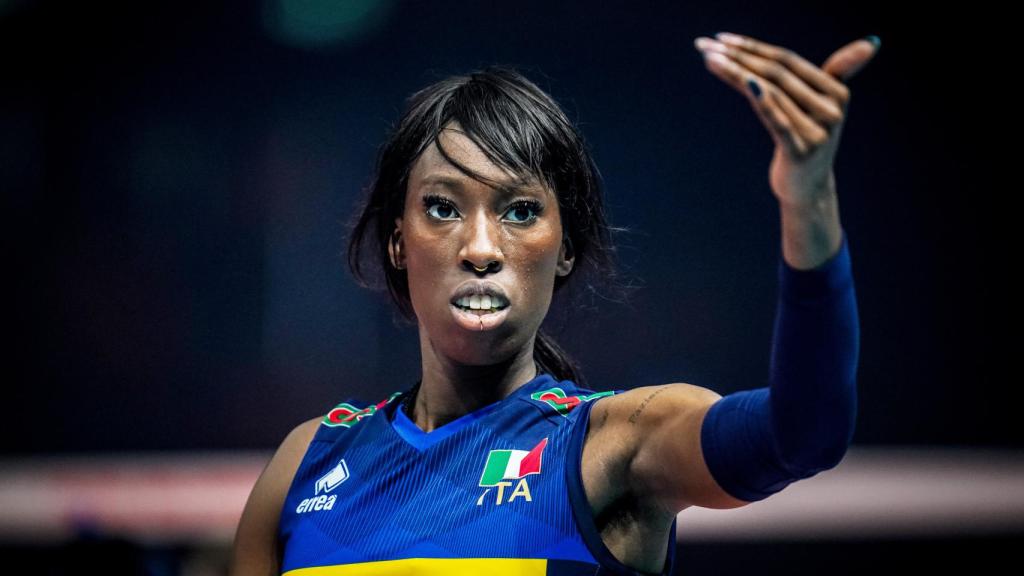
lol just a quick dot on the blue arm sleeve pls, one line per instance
(756, 442)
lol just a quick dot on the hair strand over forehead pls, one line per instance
(522, 130)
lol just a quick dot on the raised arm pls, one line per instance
(683, 445)
(758, 441)
(679, 445)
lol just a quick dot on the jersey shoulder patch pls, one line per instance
(557, 400)
(352, 411)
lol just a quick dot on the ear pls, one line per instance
(566, 257)
(396, 246)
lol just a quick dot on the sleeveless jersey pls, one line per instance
(497, 491)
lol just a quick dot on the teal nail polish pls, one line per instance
(874, 40)
(754, 88)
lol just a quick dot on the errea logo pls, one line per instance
(323, 485)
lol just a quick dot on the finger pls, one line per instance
(848, 60)
(778, 123)
(810, 132)
(813, 75)
(821, 106)
(782, 127)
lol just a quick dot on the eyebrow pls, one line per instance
(506, 189)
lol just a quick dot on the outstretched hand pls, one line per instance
(802, 106)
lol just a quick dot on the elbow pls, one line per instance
(813, 458)
(816, 439)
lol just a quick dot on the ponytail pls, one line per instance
(552, 359)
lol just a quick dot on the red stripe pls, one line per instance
(531, 462)
(570, 401)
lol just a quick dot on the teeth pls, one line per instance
(481, 302)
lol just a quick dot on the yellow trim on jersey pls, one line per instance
(432, 567)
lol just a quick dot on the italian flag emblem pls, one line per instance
(512, 464)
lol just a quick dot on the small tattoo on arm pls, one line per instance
(636, 413)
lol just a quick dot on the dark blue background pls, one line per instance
(177, 178)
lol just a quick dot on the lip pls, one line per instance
(480, 288)
(476, 322)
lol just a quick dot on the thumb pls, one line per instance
(848, 60)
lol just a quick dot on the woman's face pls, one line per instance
(452, 224)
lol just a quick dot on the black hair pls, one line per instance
(520, 128)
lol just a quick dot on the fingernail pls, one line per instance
(754, 88)
(874, 40)
(729, 38)
(707, 44)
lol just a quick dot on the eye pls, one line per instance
(520, 209)
(521, 206)
(431, 200)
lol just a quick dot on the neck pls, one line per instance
(448, 392)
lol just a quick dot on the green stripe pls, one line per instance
(494, 470)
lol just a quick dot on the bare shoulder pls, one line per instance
(255, 547)
(652, 435)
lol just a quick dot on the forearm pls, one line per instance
(758, 441)
(811, 233)
(812, 377)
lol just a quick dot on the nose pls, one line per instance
(480, 251)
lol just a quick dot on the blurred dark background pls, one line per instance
(178, 176)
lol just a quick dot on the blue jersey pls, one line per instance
(497, 491)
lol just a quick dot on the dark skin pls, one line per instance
(642, 461)
(440, 246)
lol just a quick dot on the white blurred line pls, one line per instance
(198, 497)
(189, 497)
(882, 493)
